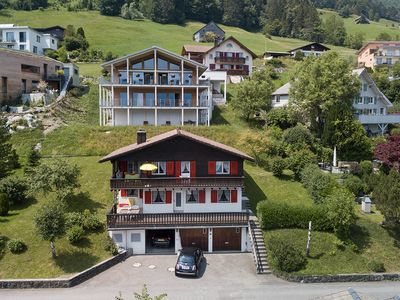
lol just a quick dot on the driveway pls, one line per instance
(223, 276)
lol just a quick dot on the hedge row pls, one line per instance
(282, 215)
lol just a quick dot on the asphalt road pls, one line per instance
(224, 276)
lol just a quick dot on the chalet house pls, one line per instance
(154, 87)
(200, 35)
(192, 198)
(56, 31)
(310, 49)
(378, 53)
(26, 39)
(370, 106)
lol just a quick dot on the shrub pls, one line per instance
(16, 246)
(297, 160)
(282, 215)
(298, 136)
(15, 188)
(75, 234)
(281, 117)
(74, 219)
(91, 221)
(377, 267)
(109, 245)
(318, 183)
(4, 204)
(366, 167)
(284, 256)
(355, 185)
(277, 166)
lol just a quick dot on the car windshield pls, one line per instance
(186, 259)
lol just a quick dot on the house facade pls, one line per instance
(26, 39)
(316, 49)
(370, 106)
(200, 35)
(378, 53)
(192, 198)
(21, 72)
(154, 87)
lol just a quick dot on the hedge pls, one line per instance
(282, 215)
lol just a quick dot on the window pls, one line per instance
(224, 195)
(378, 60)
(123, 100)
(187, 77)
(150, 99)
(137, 99)
(35, 49)
(187, 99)
(22, 37)
(10, 46)
(52, 41)
(173, 66)
(10, 37)
(210, 56)
(38, 39)
(158, 196)
(277, 98)
(222, 167)
(117, 237)
(360, 100)
(23, 82)
(382, 110)
(132, 167)
(185, 168)
(163, 78)
(365, 87)
(148, 78)
(162, 99)
(174, 78)
(192, 196)
(137, 78)
(161, 168)
(149, 64)
(122, 77)
(229, 45)
(30, 69)
(135, 237)
(132, 193)
(162, 64)
(389, 61)
(21, 47)
(370, 100)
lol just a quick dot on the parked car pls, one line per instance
(161, 240)
(189, 261)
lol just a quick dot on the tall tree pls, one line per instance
(233, 12)
(335, 32)
(8, 156)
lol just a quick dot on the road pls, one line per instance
(224, 276)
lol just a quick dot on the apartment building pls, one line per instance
(379, 53)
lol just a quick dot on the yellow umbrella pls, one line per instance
(148, 167)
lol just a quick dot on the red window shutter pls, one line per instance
(170, 168)
(147, 197)
(202, 196)
(178, 168)
(193, 168)
(211, 167)
(123, 193)
(123, 166)
(214, 197)
(234, 196)
(141, 194)
(168, 197)
(234, 167)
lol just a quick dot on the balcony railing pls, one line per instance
(175, 219)
(199, 182)
(235, 60)
(237, 72)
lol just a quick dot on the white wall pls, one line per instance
(172, 115)
(137, 116)
(121, 244)
(284, 101)
(137, 247)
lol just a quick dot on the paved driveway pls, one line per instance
(224, 276)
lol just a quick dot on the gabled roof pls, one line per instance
(310, 44)
(283, 90)
(196, 48)
(231, 38)
(379, 43)
(170, 135)
(25, 53)
(162, 50)
(210, 23)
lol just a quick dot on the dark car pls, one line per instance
(189, 261)
(161, 240)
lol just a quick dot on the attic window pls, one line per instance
(229, 45)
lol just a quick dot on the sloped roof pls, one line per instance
(196, 48)
(283, 90)
(170, 135)
(310, 44)
(211, 22)
(379, 43)
(231, 38)
(28, 54)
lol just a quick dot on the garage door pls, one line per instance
(194, 238)
(227, 239)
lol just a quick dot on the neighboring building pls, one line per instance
(371, 106)
(56, 31)
(72, 71)
(199, 35)
(310, 49)
(378, 53)
(275, 54)
(26, 39)
(362, 19)
(21, 71)
(154, 87)
(193, 198)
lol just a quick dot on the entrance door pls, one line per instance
(178, 198)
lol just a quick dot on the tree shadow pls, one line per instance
(75, 261)
(83, 243)
(28, 202)
(253, 191)
(394, 232)
(287, 177)
(360, 237)
(4, 13)
(217, 118)
(81, 201)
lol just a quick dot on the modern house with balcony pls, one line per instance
(154, 87)
(26, 39)
(370, 106)
(378, 53)
(192, 198)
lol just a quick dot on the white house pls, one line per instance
(26, 38)
(371, 106)
(316, 49)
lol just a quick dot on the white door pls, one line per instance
(178, 198)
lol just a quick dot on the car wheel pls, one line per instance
(197, 273)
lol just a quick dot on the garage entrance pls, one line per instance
(160, 241)
(195, 237)
(227, 239)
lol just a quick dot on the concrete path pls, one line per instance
(223, 276)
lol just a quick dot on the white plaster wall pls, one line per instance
(157, 208)
(172, 115)
(123, 243)
(137, 116)
(189, 115)
(121, 117)
(284, 101)
(137, 247)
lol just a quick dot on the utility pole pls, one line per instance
(308, 240)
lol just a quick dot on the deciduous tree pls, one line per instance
(389, 152)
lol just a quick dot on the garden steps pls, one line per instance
(258, 246)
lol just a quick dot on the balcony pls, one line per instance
(230, 60)
(7, 42)
(133, 220)
(379, 119)
(196, 182)
(237, 72)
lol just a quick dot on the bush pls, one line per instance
(4, 204)
(75, 234)
(355, 185)
(297, 160)
(15, 188)
(109, 245)
(282, 215)
(298, 136)
(91, 221)
(16, 246)
(377, 267)
(277, 166)
(366, 167)
(74, 219)
(284, 256)
(317, 183)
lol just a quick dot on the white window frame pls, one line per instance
(221, 164)
(154, 196)
(370, 100)
(227, 194)
(360, 100)
(163, 165)
(277, 98)
(188, 194)
(185, 174)
(38, 39)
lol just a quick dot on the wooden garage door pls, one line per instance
(194, 238)
(227, 239)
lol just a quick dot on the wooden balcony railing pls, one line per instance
(237, 72)
(235, 60)
(197, 182)
(176, 219)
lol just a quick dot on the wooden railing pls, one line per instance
(176, 219)
(237, 60)
(237, 72)
(176, 182)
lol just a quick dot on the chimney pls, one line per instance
(140, 136)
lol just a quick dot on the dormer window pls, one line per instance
(229, 45)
